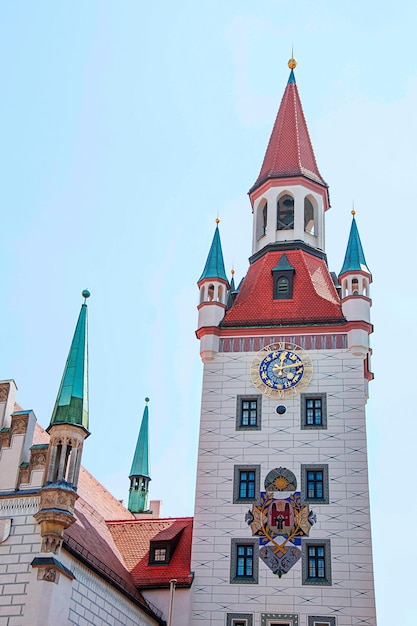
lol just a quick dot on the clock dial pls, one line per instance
(281, 369)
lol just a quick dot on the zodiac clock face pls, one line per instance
(281, 369)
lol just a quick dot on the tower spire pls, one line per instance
(68, 429)
(289, 152)
(214, 267)
(354, 257)
(140, 473)
(71, 406)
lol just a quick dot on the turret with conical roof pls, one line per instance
(140, 473)
(68, 428)
(355, 279)
(290, 196)
(214, 287)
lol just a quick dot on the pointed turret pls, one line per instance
(355, 279)
(71, 406)
(354, 257)
(68, 428)
(290, 196)
(214, 286)
(139, 473)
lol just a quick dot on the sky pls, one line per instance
(126, 128)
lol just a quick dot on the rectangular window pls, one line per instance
(319, 620)
(315, 483)
(244, 561)
(248, 413)
(316, 569)
(314, 414)
(160, 554)
(244, 567)
(246, 483)
(313, 411)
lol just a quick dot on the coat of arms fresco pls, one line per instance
(280, 522)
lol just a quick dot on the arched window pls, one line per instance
(202, 294)
(285, 213)
(308, 217)
(262, 219)
(210, 293)
(355, 287)
(364, 287)
(219, 294)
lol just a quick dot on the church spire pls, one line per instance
(354, 257)
(139, 473)
(71, 406)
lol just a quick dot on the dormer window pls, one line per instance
(285, 213)
(159, 553)
(283, 278)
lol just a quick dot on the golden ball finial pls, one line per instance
(353, 212)
(217, 220)
(233, 271)
(292, 63)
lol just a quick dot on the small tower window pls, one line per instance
(285, 213)
(220, 294)
(355, 287)
(210, 294)
(309, 217)
(283, 285)
(364, 288)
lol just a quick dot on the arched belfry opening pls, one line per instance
(309, 217)
(285, 212)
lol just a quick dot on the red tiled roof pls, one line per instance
(133, 540)
(314, 296)
(289, 151)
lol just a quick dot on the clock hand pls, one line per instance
(297, 364)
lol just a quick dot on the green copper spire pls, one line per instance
(139, 474)
(354, 258)
(71, 406)
(214, 267)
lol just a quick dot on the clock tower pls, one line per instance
(282, 529)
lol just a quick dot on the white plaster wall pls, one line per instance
(281, 442)
(182, 604)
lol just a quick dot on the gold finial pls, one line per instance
(233, 271)
(292, 63)
(353, 212)
(217, 220)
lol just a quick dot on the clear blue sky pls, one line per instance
(126, 127)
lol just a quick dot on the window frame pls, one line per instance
(233, 619)
(162, 545)
(237, 470)
(235, 544)
(304, 398)
(319, 620)
(326, 580)
(314, 467)
(240, 399)
(271, 619)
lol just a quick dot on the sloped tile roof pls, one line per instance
(314, 300)
(133, 541)
(289, 151)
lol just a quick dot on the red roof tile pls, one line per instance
(133, 540)
(289, 151)
(314, 296)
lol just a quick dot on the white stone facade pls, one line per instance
(282, 442)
